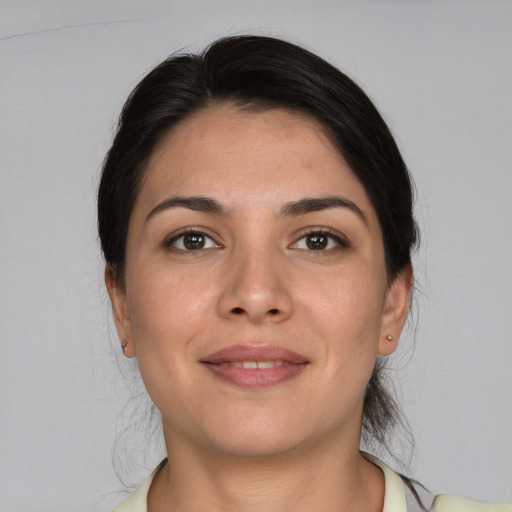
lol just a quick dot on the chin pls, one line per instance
(263, 446)
(260, 436)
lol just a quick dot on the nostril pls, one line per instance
(237, 311)
(273, 312)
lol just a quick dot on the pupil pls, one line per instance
(194, 241)
(317, 242)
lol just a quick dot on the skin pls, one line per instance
(293, 446)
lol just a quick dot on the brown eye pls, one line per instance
(317, 241)
(192, 241)
(320, 241)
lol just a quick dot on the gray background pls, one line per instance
(440, 72)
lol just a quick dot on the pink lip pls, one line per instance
(219, 363)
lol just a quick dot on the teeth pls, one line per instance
(266, 364)
(251, 365)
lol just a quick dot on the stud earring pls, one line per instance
(389, 337)
(124, 344)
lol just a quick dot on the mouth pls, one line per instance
(252, 365)
(255, 367)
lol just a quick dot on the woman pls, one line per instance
(256, 219)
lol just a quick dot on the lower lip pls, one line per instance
(256, 378)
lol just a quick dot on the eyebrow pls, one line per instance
(198, 204)
(315, 204)
(292, 209)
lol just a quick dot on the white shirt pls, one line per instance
(400, 495)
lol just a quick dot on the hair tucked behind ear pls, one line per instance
(381, 413)
(254, 72)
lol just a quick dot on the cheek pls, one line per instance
(169, 313)
(164, 318)
(346, 316)
(161, 302)
(347, 305)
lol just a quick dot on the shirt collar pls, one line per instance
(394, 492)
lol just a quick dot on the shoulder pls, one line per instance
(420, 499)
(138, 501)
(448, 503)
(405, 495)
(401, 495)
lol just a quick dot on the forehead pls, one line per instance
(230, 130)
(246, 158)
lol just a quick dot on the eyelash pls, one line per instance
(338, 241)
(171, 243)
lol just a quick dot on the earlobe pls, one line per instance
(395, 311)
(120, 312)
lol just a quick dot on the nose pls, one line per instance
(256, 288)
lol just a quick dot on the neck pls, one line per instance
(330, 478)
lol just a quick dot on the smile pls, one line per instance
(251, 365)
(254, 367)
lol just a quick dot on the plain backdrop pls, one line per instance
(439, 71)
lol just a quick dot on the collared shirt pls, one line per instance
(400, 495)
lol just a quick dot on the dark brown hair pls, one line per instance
(254, 72)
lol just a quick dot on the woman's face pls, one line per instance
(256, 296)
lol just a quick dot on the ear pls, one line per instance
(120, 312)
(394, 314)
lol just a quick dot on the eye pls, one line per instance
(191, 241)
(319, 241)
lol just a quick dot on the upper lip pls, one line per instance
(240, 353)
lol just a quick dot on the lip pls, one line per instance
(290, 365)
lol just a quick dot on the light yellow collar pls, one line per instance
(394, 497)
(394, 492)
